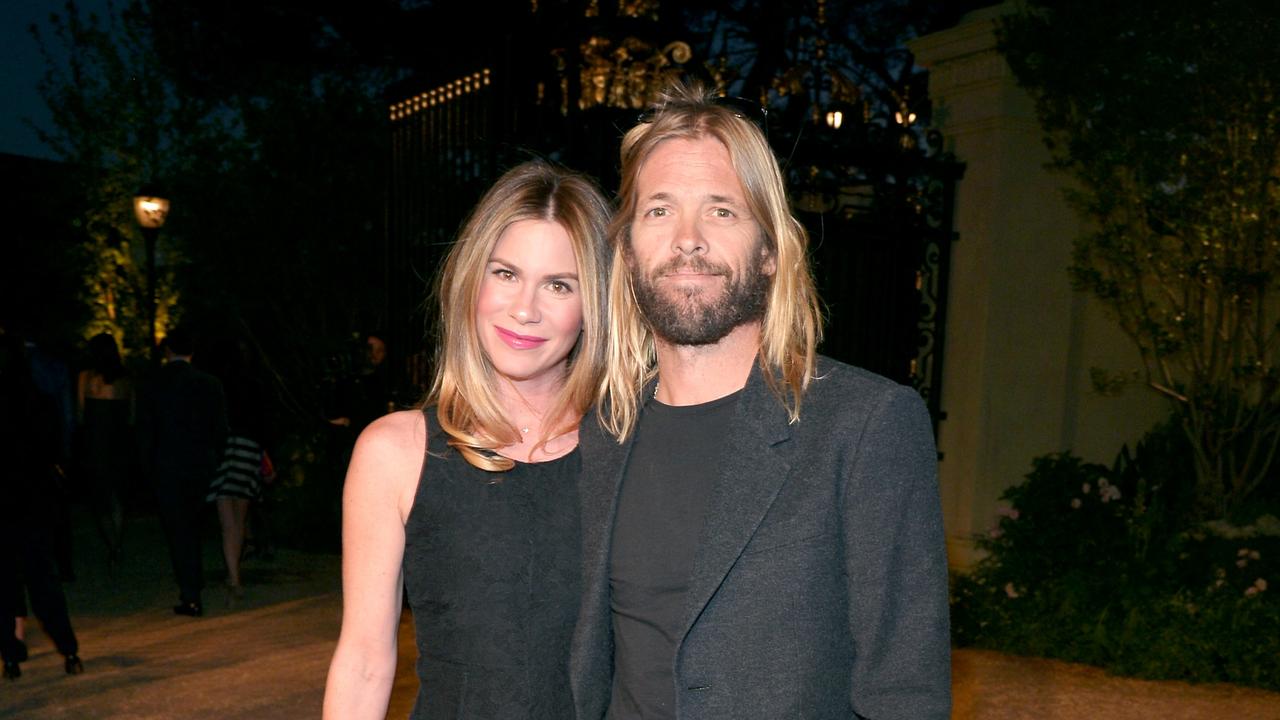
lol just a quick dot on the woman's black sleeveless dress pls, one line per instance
(492, 570)
(107, 449)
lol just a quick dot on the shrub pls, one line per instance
(1105, 565)
(305, 503)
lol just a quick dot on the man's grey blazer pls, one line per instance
(819, 585)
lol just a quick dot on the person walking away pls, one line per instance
(182, 425)
(30, 442)
(105, 444)
(240, 477)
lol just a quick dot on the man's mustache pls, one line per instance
(696, 264)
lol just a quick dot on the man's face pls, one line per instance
(697, 258)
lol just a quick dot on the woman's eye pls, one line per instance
(657, 212)
(559, 288)
(504, 274)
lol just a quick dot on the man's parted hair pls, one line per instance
(465, 387)
(792, 323)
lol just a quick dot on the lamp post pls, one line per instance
(151, 208)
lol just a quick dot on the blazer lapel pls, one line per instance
(590, 656)
(751, 474)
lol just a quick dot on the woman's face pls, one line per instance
(529, 309)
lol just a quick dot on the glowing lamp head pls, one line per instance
(150, 208)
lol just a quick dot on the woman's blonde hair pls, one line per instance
(792, 324)
(465, 388)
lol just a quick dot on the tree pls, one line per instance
(273, 159)
(1168, 118)
(118, 123)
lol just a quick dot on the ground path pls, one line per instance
(266, 656)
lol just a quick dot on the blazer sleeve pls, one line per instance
(896, 567)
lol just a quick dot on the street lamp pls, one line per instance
(151, 208)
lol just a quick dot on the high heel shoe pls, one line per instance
(73, 665)
(235, 594)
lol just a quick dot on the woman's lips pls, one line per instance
(518, 341)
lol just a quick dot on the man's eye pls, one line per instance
(722, 212)
(657, 212)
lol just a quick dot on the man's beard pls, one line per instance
(684, 316)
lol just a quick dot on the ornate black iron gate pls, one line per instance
(879, 219)
(441, 161)
(882, 273)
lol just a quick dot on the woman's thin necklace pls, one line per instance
(524, 430)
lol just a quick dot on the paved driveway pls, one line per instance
(266, 657)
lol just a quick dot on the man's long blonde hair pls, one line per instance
(792, 323)
(465, 388)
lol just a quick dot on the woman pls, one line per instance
(238, 481)
(471, 505)
(104, 414)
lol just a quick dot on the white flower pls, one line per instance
(1250, 591)
(1075, 503)
(1255, 555)
(1242, 562)
(1012, 592)
(1242, 552)
(1109, 492)
(1085, 488)
(1261, 584)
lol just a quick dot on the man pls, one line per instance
(182, 424)
(366, 395)
(765, 540)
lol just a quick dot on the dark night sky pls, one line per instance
(21, 68)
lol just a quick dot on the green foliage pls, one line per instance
(1168, 118)
(305, 502)
(1108, 566)
(118, 123)
(275, 178)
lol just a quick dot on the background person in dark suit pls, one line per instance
(766, 541)
(30, 443)
(182, 425)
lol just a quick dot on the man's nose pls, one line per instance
(689, 239)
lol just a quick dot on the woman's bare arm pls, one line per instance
(380, 486)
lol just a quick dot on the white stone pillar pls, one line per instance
(1019, 341)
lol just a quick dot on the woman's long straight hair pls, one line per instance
(465, 388)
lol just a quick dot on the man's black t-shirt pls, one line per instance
(665, 489)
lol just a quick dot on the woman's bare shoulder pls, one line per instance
(388, 458)
(398, 433)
